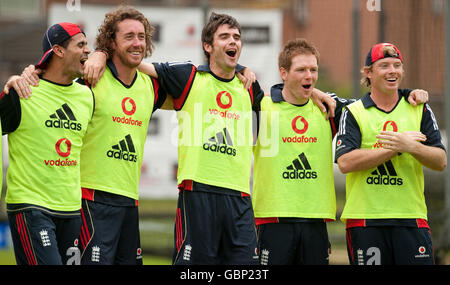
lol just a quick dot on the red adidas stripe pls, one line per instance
(21, 228)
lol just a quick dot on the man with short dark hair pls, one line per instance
(215, 221)
(45, 137)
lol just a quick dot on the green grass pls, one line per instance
(7, 258)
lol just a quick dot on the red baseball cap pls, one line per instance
(376, 53)
(56, 34)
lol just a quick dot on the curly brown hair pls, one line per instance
(107, 31)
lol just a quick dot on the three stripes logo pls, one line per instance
(124, 150)
(300, 169)
(63, 118)
(221, 143)
(384, 174)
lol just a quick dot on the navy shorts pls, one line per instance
(109, 233)
(294, 243)
(389, 245)
(214, 226)
(43, 237)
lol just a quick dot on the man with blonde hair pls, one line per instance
(293, 189)
(382, 145)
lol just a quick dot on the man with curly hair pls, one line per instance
(114, 145)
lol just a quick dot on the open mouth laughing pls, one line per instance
(231, 52)
(307, 86)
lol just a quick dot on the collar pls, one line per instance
(112, 67)
(206, 68)
(110, 64)
(59, 84)
(277, 95)
(368, 102)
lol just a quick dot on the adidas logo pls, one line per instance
(384, 174)
(123, 150)
(63, 118)
(300, 169)
(221, 143)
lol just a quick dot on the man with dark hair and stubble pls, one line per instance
(45, 138)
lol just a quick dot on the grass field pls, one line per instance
(7, 258)
(337, 257)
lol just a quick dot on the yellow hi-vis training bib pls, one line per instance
(114, 144)
(394, 189)
(215, 134)
(297, 181)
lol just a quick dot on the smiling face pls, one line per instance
(75, 54)
(225, 50)
(129, 43)
(385, 75)
(300, 79)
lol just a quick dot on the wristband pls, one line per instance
(103, 51)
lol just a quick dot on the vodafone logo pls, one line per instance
(299, 128)
(126, 107)
(63, 147)
(226, 102)
(422, 253)
(388, 126)
(129, 108)
(294, 125)
(68, 147)
(392, 124)
(422, 250)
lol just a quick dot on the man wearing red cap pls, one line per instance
(112, 151)
(45, 136)
(382, 144)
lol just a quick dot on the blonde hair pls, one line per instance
(388, 51)
(293, 48)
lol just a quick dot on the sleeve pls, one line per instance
(405, 93)
(430, 128)
(257, 94)
(240, 68)
(349, 135)
(83, 82)
(176, 78)
(160, 94)
(340, 105)
(10, 111)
